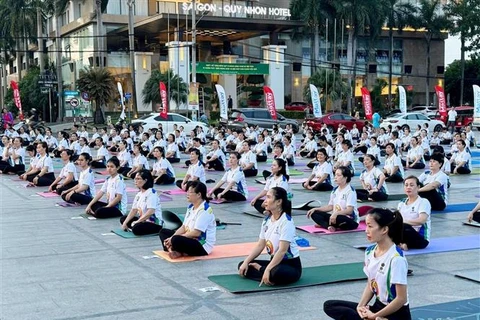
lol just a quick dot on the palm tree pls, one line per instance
(176, 88)
(99, 83)
(429, 16)
(327, 80)
(314, 13)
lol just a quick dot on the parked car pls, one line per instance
(412, 119)
(256, 116)
(298, 106)
(332, 120)
(464, 116)
(151, 121)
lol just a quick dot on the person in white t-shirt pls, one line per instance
(322, 174)
(248, 161)
(277, 236)
(43, 175)
(452, 117)
(435, 183)
(145, 217)
(342, 205)
(460, 161)
(84, 191)
(372, 180)
(100, 160)
(172, 153)
(216, 157)
(68, 176)
(197, 235)
(414, 159)
(393, 168)
(163, 172)
(124, 157)
(195, 171)
(236, 185)
(116, 194)
(386, 269)
(416, 212)
(139, 162)
(16, 158)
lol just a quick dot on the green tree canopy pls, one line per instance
(176, 87)
(328, 82)
(453, 79)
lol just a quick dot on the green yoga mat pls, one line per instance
(311, 276)
(294, 173)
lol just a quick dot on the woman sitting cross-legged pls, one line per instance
(277, 236)
(342, 204)
(116, 192)
(163, 172)
(236, 188)
(145, 217)
(435, 183)
(460, 161)
(414, 159)
(321, 177)
(139, 162)
(373, 181)
(83, 192)
(124, 157)
(248, 161)
(474, 215)
(43, 174)
(68, 177)
(415, 211)
(393, 168)
(197, 235)
(195, 171)
(216, 157)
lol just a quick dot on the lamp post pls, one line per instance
(131, 43)
(194, 46)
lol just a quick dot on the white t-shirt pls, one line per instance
(148, 199)
(374, 151)
(67, 169)
(412, 211)
(51, 141)
(372, 178)
(247, 158)
(346, 157)
(173, 147)
(140, 160)
(86, 149)
(220, 155)
(164, 164)
(463, 156)
(75, 147)
(197, 170)
(282, 229)
(45, 161)
(274, 181)
(87, 179)
(113, 186)
(102, 151)
(427, 177)
(311, 146)
(203, 220)
(385, 272)
(238, 177)
(341, 199)
(20, 152)
(325, 168)
(63, 143)
(414, 153)
(260, 147)
(394, 161)
(452, 115)
(125, 156)
(289, 153)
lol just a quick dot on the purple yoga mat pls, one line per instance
(322, 231)
(47, 194)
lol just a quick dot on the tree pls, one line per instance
(327, 80)
(378, 104)
(453, 77)
(176, 88)
(100, 86)
(429, 15)
(464, 17)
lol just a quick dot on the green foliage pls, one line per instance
(337, 86)
(453, 79)
(376, 95)
(464, 15)
(176, 87)
(255, 79)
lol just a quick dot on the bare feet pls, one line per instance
(331, 229)
(317, 226)
(174, 254)
(255, 266)
(403, 246)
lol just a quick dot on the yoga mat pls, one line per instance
(462, 309)
(130, 189)
(295, 172)
(47, 194)
(472, 224)
(67, 204)
(444, 245)
(307, 205)
(457, 207)
(174, 192)
(472, 275)
(322, 231)
(256, 214)
(165, 198)
(297, 180)
(129, 234)
(98, 181)
(311, 276)
(102, 173)
(88, 216)
(220, 201)
(221, 251)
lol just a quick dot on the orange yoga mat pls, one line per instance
(221, 251)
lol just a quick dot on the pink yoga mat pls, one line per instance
(174, 192)
(47, 194)
(103, 173)
(297, 180)
(322, 231)
(98, 181)
(130, 189)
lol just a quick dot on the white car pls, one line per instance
(151, 121)
(412, 119)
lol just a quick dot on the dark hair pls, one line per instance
(146, 134)
(198, 187)
(197, 152)
(234, 153)
(395, 134)
(19, 139)
(391, 219)
(322, 150)
(64, 134)
(281, 194)
(161, 150)
(43, 144)
(374, 138)
(173, 136)
(114, 160)
(322, 138)
(288, 137)
(416, 139)
(346, 173)
(373, 158)
(31, 148)
(347, 143)
(391, 145)
(462, 142)
(279, 145)
(283, 164)
(69, 153)
(197, 140)
(438, 157)
(83, 139)
(146, 175)
(99, 139)
(86, 156)
(412, 177)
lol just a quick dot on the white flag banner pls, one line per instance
(317, 106)
(402, 95)
(222, 100)
(122, 100)
(476, 102)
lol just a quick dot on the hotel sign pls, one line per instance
(237, 9)
(232, 68)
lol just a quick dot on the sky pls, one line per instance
(452, 50)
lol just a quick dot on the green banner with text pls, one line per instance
(231, 68)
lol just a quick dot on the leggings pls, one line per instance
(124, 170)
(78, 198)
(394, 178)
(173, 160)
(412, 238)
(363, 149)
(476, 216)
(258, 205)
(44, 181)
(101, 212)
(343, 222)
(178, 183)
(141, 228)
(363, 194)
(418, 165)
(230, 195)
(252, 172)
(216, 165)
(435, 199)
(461, 170)
(262, 157)
(307, 154)
(15, 169)
(312, 165)
(286, 272)
(181, 244)
(290, 162)
(165, 179)
(346, 310)
(321, 186)
(100, 164)
(64, 187)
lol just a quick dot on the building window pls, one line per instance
(166, 7)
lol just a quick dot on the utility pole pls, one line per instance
(98, 10)
(194, 45)
(131, 43)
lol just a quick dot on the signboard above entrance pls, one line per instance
(231, 68)
(237, 9)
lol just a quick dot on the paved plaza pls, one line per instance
(56, 267)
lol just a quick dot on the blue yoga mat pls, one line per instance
(462, 309)
(458, 207)
(444, 245)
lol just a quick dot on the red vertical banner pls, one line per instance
(367, 103)
(270, 101)
(16, 97)
(442, 102)
(163, 96)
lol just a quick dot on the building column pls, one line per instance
(143, 71)
(229, 81)
(179, 59)
(274, 57)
